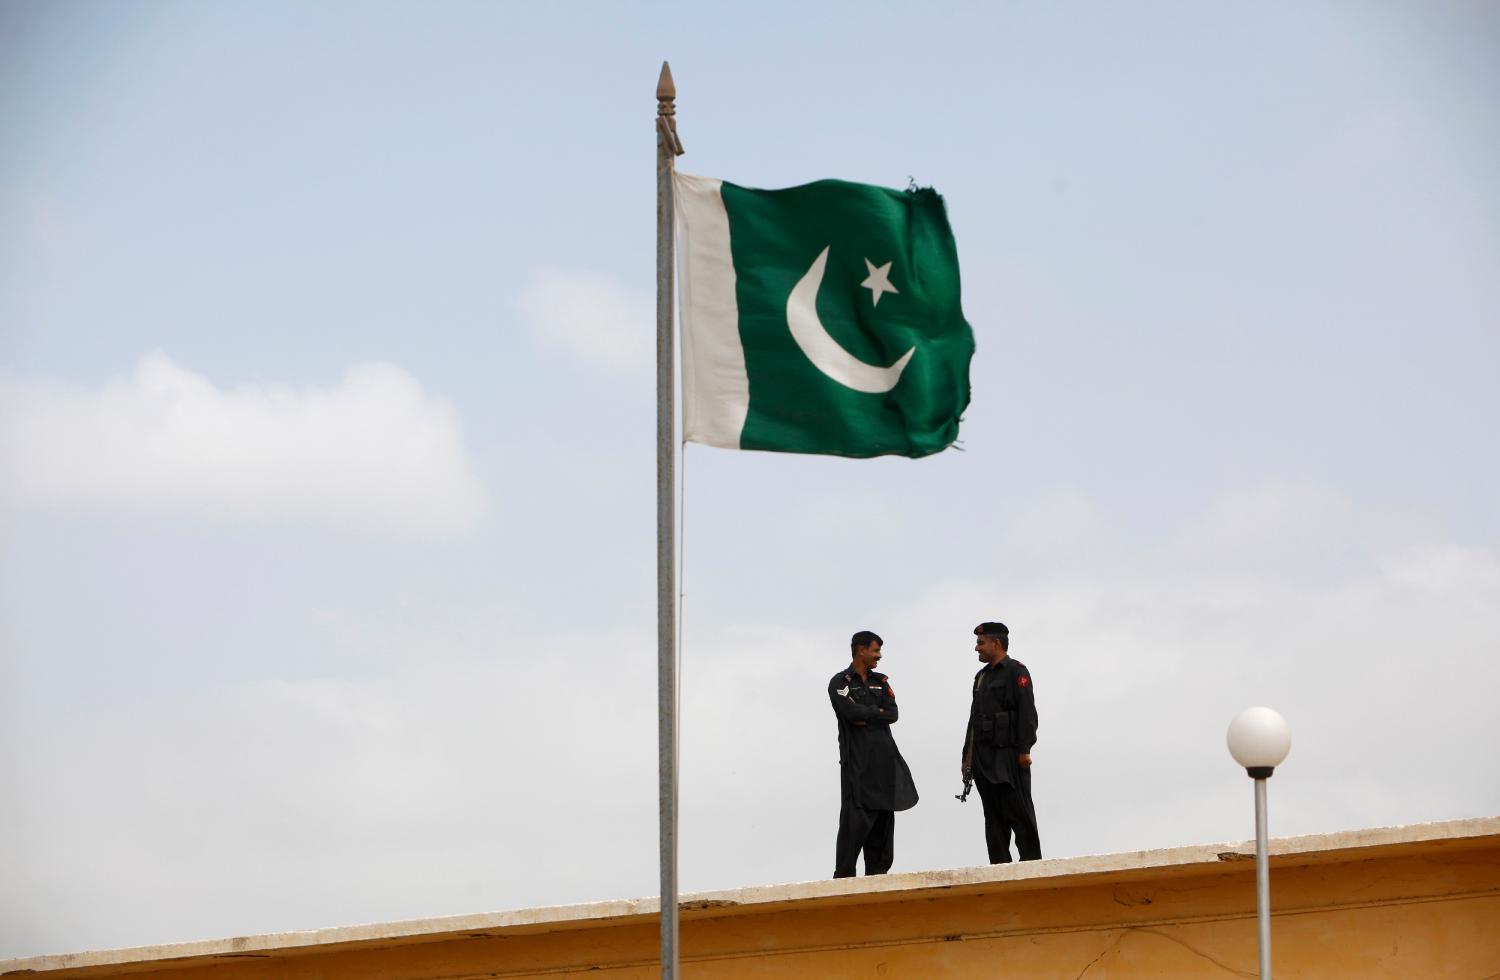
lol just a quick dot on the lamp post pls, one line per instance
(1259, 739)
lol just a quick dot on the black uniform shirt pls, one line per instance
(874, 775)
(1002, 721)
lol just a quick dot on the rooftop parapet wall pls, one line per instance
(1404, 902)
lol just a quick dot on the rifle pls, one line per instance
(968, 785)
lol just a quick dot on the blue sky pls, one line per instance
(326, 429)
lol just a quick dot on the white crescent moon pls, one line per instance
(824, 352)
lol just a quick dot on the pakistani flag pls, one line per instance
(820, 319)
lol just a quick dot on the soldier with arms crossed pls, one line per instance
(874, 781)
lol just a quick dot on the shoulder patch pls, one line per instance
(1023, 681)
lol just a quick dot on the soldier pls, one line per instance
(874, 781)
(997, 746)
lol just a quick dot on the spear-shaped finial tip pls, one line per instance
(666, 111)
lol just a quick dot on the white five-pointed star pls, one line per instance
(878, 281)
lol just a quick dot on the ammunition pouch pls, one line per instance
(994, 729)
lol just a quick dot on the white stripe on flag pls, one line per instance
(715, 387)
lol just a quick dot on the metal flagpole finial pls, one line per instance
(666, 110)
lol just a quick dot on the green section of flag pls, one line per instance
(775, 238)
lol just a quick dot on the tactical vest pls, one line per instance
(995, 709)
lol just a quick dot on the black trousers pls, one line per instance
(871, 831)
(1008, 809)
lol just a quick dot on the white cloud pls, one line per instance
(591, 320)
(373, 453)
(452, 784)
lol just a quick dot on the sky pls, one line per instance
(327, 421)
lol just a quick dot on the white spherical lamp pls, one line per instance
(1259, 739)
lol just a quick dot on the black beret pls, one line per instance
(991, 629)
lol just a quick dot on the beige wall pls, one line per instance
(1412, 902)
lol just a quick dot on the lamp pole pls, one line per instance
(1262, 878)
(1259, 739)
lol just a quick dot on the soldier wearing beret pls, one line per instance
(997, 746)
(874, 780)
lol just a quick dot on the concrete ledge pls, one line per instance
(821, 897)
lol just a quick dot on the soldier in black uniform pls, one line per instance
(874, 781)
(997, 746)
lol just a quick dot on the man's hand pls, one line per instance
(965, 774)
(1024, 759)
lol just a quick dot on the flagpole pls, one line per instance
(668, 147)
